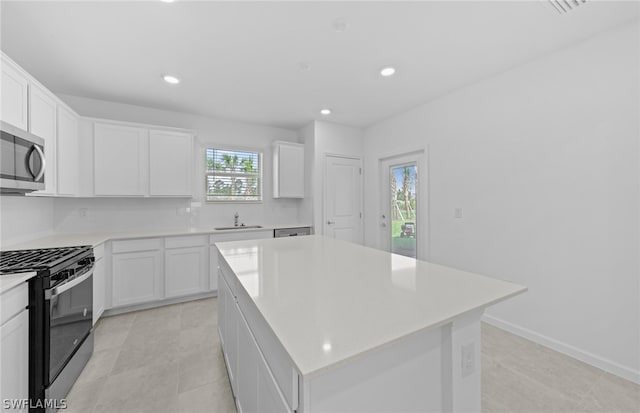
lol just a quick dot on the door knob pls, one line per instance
(383, 216)
(330, 222)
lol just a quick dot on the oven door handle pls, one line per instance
(52, 292)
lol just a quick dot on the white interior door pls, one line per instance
(343, 199)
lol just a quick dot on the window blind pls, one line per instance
(233, 175)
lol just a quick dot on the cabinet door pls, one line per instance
(170, 160)
(229, 332)
(14, 359)
(248, 358)
(120, 160)
(213, 268)
(137, 277)
(270, 399)
(14, 96)
(288, 171)
(185, 271)
(42, 123)
(98, 289)
(67, 157)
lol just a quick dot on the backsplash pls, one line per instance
(23, 218)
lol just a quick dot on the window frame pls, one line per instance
(230, 148)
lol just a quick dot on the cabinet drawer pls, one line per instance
(148, 244)
(241, 236)
(98, 252)
(188, 241)
(13, 301)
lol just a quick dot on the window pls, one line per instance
(233, 175)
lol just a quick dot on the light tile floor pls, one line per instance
(168, 359)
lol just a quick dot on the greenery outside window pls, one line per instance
(233, 175)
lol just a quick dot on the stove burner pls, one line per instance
(36, 259)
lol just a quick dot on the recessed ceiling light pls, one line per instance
(325, 112)
(340, 24)
(387, 71)
(172, 80)
(167, 1)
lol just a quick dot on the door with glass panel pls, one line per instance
(400, 206)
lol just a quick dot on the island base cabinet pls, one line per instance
(253, 385)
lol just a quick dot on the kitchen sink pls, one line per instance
(240, 227)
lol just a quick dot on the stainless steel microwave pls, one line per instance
(22, 162)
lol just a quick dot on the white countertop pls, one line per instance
(329, 300)
(95, 239)
(8, 281)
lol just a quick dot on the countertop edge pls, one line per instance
(96, 239)
(11, 281)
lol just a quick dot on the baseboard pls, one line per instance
(586, 357)
(159, 303)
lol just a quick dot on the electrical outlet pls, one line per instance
(83, 212)
(468, 359)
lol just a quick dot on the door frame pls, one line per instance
(325, 158)
(420, 158)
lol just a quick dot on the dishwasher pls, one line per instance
(291, 232)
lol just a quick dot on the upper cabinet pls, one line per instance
(132, 160)
(31, 107)
(120, 160)
(67, 156)
(170, 160)
(288, 170)
(42, 123)
(14, 86)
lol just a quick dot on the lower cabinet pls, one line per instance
(137, 277)
(14, 348)
(185, 270)
(254, 386)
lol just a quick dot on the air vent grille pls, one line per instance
(565, 6)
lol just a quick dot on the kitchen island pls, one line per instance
(313, 324)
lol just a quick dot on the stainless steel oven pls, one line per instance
(23, 163)
(60, 318)
(70, 313)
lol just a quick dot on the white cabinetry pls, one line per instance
(99, 287)
(254, 386)
(185, 265)
(288, 170)
(170, 160)
(67, 156)
(14, 91)
(120, 160)
(42, 123)
(14, 345)
(137, 271)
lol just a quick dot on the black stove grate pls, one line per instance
(36, 259)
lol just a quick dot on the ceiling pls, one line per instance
(279, 63)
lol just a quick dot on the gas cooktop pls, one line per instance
(37, 259)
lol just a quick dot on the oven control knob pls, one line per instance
(86, 261)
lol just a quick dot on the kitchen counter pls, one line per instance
(9, 281)
(332, 304)
(95, 239)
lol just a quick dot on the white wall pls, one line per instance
(23, 218)
(321, 139)
(127, 214)
(543, 159)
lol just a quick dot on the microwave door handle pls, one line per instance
(52, 292)
(44, 163)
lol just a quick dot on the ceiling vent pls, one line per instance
(565, 6)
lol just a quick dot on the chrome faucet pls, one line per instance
(235, 220)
